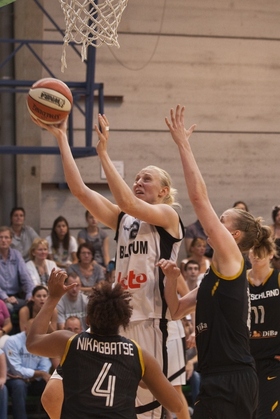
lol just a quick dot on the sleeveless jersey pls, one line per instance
(222, 322)
(139, 247)
(265, 317)
(100, 377)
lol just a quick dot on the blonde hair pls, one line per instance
(166, 181)
(35, 244)
(255, 235)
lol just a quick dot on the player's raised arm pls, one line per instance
(179, 307)
(103, 209)
(141, 199)
(220, 238)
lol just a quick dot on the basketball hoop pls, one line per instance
(88, 23)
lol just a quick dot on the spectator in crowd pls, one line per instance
(3, 388)
(241, 205)
(196, 230)
(197, 252)
(39, 267)
(264, 287)
(73, 303)
(27, 374)
(111, 271)
(74, 324)
(97, 238)
(62, 246)
(275, 261)
(23, 235)
(81, 366)
(191, 273)
(5, 323)
(32, 308)
(15, 282)
(87, 269)
(275, 227)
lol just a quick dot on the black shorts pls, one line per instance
(227, 395)
(268, 371)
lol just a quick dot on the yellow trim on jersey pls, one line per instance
(228, 278)
(67, 349)
(265, 280)
(140, 357)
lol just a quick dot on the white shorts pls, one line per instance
(150, 335)
(176, 353)
(176, 361)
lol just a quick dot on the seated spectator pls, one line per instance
(111, 271)
(190, 273)
(15, 283)
(23, 235)
(62, 246)
(39, 267)
(275, 261)
(32, 308)
(5, 324)
(241, 205)
(197, 253)
(73, 303)
(3, 388)
(73, 323)
(97, 238)
(87, 269)
(196, 230)
(27, 374)
(275, 227)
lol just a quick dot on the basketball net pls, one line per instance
(88, 23)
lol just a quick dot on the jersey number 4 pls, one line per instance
(108, 392)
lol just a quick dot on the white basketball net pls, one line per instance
(90, 24)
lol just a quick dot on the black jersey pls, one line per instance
(265, 317)
(222, 322)
(100, 377)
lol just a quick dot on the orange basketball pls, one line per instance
(49, 100)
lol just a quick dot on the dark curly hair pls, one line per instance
(108, 308)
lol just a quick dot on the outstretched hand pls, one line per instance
(169, 268)
(103, 134)
(56, 283)
(177, 127)
(56, 129)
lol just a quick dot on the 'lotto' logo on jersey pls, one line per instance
(132, 280)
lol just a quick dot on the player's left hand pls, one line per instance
(176, 125)
(56, 283)
(103, 134)
(169, 268)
